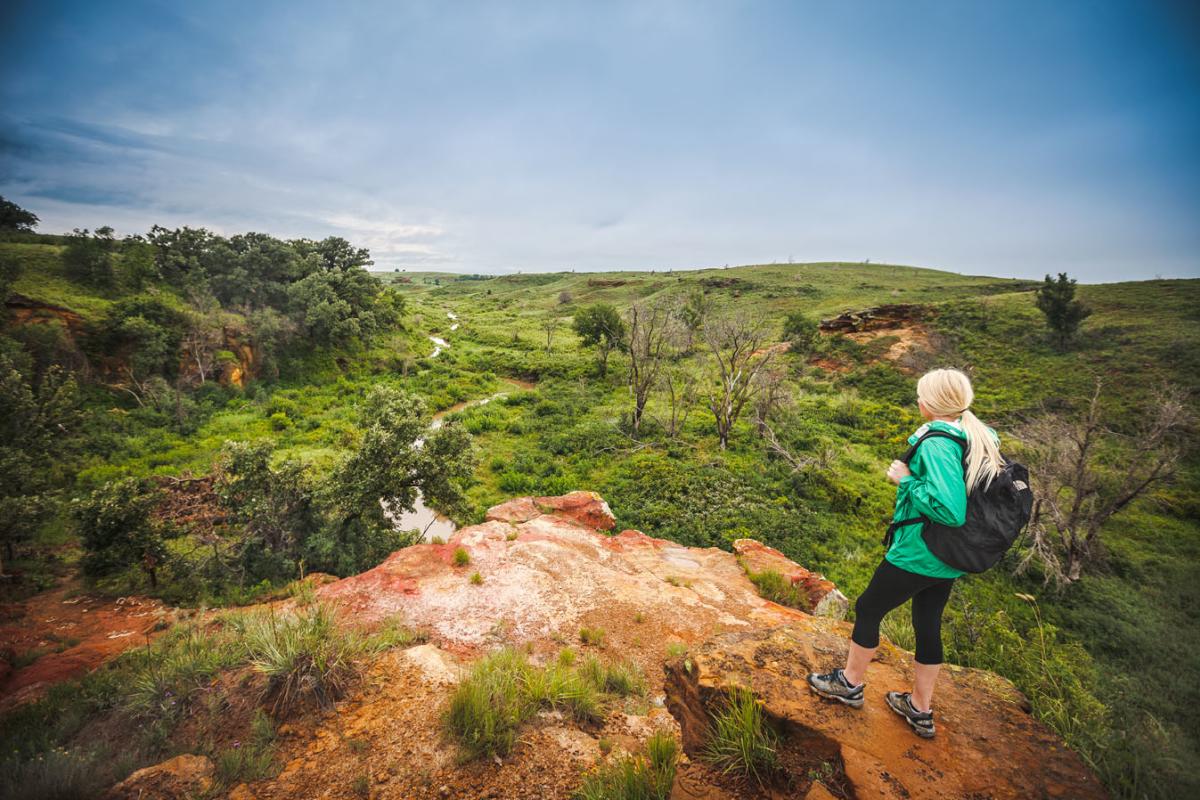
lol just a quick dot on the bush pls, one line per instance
(461, 557)
(118, 532)
(304, 655)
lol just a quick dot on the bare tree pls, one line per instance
(736, 343)
(678, 383)
(769, 395)
(650, 333)
(549, 324)
(1084, 473)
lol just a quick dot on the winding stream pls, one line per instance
(422, 517)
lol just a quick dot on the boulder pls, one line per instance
(586, 508)
(178, 778)
(987, 744)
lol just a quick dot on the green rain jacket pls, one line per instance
(936, 489)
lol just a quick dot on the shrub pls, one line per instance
(476, 578)
(461, 557)
(303, 655)
(741, 741)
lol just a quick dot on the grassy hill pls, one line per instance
(1127, 625)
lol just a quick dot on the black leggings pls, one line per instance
(889, 588)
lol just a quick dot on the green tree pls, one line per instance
(118, 529)
(397, 459)
(1056, 299)
(801, 332)
(600, 326)
(692, 313)
(88, 258)
(15, 218)
(276, 507)
(38, 420)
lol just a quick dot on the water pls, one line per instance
(422, 517)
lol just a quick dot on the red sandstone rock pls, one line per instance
(587, 508)
(522, 509)
(824, 599)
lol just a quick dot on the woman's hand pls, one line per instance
(897, 471)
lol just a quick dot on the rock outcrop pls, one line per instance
(547, 568)
(987, 746)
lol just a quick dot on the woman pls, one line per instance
(935, 484)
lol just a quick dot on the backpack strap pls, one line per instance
(908, 455)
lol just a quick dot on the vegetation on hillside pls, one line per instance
(665, 392)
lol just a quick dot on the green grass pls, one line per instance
(502, 690)
(740, 741)
(647, 776)
(461, 557)
(592, 636)
(775, 587)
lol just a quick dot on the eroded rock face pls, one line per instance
(545, 565)
(178, 778)
(987, 745)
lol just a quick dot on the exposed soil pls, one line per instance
(68, 632)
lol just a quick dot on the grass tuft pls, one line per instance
(639, 777)
(461, 557)
(740, 740)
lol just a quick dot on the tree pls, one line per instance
(276, 507)
(650, 333)
(397, 460)
(801, 333)
(38, 420)
(549, 324)
(600, 326)
(203, 333)
(735, 343)
(117, 528)
(679, 385)
(1056, 299)
(1084, 473)
(692, 314)
(89, 258)
(15, 218)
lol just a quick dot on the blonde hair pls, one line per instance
(948, 393)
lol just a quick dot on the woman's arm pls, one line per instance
(936, 486)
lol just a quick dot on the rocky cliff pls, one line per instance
(547, 568)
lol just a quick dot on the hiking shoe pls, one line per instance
(921, 721)
(834, 686)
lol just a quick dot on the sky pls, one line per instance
(1008, 138)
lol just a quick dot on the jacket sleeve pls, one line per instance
(936, 487)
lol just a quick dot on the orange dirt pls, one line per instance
(75, 631)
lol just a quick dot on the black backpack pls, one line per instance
(995, 517)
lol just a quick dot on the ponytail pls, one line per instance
(984, 461)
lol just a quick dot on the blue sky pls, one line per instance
(1008, 138)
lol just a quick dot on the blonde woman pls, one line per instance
(934, 484)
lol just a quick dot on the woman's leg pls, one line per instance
(927, 607)
(890, 586)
